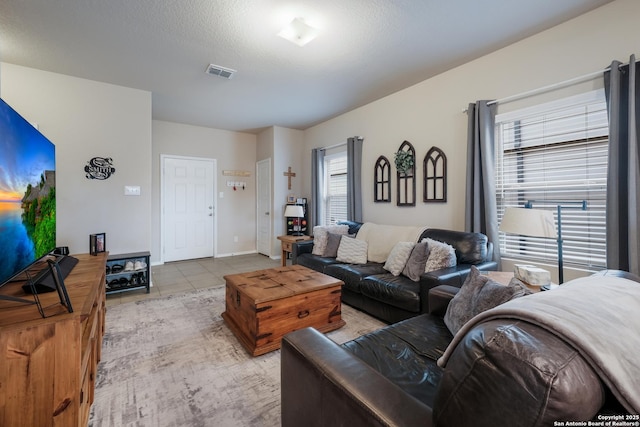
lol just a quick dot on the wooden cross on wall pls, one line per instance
(289, 175)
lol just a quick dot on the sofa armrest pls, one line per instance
(324, 385)
(299, 248)
(439, 298)
(452, 276)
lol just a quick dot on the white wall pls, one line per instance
(87, 119)
(236, 210)
(284, 147)
(430, 113)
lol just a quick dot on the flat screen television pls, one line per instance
(27, 195)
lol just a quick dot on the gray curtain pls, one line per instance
(623, 174)
(354, 179)
(481, 214)
(317, 172)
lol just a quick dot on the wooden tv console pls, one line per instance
(48, 365)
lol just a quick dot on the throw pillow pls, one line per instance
(333, 242)
(477, 294)
(417, 260)
(352, 251)
(398, 257)
(321, 235)
(441, 255)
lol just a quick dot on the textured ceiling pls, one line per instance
(366, 49)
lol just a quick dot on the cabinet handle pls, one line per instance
(303, 314)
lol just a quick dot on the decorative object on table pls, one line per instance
(532, 275)
(406, 171)
(382, 180)
(295, 212)
(99, 168)
(539, 223)
(97, 243)
(61, 250)
(435, 176)
(289, 175)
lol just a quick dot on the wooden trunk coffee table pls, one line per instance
(262, 306)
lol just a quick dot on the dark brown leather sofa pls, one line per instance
(389, 377)
(372, 289)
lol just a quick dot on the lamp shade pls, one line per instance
(293, 211)
(529, 222)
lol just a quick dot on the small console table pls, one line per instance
(287, 241)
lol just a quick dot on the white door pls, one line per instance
(263, 209)
(188, 207)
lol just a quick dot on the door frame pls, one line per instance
(163, 157)
(266, 161)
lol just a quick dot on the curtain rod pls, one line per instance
(547, 88)
(333, 146)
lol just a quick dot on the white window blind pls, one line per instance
(551, 153)
(336, 189)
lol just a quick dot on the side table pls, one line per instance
(287, 241)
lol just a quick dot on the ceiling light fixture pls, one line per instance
(298, 32)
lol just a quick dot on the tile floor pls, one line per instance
(181, 276)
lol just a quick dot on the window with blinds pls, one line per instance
(549, 154)
(335, 208)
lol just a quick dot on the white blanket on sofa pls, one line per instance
(382, 238)
(599, 316)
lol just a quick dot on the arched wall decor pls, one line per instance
(435, 176)
(382, 180)
(406, 179)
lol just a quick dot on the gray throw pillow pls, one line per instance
(333, 242)
(477, 294)
(416, 262)
(441, 255)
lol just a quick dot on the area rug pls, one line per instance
(173, 362)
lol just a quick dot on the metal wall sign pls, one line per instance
(99, 168)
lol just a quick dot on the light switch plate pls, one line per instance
(131, 190)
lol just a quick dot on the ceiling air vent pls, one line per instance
(217, 70)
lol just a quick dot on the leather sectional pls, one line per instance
(372, 289)
(503, 372)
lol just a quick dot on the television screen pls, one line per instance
(27, 194)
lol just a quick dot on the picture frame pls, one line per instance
(97, 243)
(291, 199)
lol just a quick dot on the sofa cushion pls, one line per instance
(398, 257)
(315, 262)
(352, 274)
(320, 236)
(477, 294)
(406, 353)
(441, 255)
(352, 251)
(417, 261)
(397, 291)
